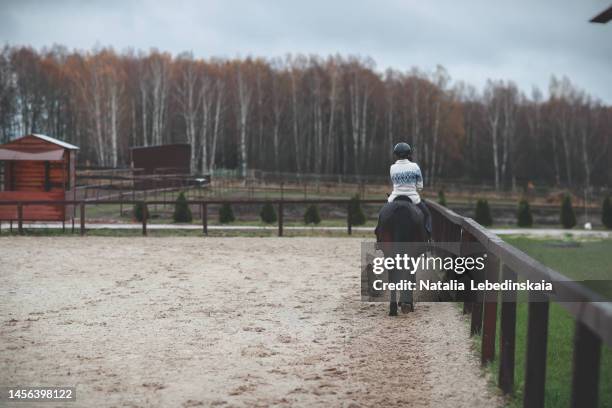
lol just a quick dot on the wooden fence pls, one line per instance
(80, 207)
(593, 317)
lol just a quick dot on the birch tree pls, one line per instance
(509, 108)
(159, 82)
(562, 94)
(493, 111)
(206, 91)
(333, 99)
(189, 103)
(244, 102)
(295, 75)
(219, 108)
(278, 103)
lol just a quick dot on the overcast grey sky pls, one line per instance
(523, 40)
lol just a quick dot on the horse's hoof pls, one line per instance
(407, 307)
(393, 309)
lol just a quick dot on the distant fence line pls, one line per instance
(255, 175)
(203, 205)
(93, 183)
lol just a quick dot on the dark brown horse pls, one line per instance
(399, 222)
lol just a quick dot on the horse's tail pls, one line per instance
(408, 225)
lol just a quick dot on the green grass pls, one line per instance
(584, 261)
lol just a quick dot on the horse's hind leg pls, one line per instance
(392, 299)
(392, 294)
(393, 308)
(407, 296)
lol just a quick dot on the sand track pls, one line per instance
(173, 322)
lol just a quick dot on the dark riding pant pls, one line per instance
(426, 214)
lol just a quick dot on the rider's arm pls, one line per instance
(419, 184)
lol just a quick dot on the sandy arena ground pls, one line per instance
(189, 322)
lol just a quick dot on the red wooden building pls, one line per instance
(38, 167)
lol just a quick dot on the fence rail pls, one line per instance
(592, 316)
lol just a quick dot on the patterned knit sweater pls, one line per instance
(407, 180)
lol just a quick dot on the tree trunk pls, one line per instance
(114, 118)
(296, 141)
(244, 99)
(218, 104)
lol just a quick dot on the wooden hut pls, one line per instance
(37, 167)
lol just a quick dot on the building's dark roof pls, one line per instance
(175, 158)
(28, 147)
(46, 138)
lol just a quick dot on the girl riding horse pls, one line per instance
(408, 181)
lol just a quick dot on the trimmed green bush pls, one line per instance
(483, 213)
(226, 214)
(523, 216)
(311, 216)
(606, 213)
(441, 198)
(268, 214)
(182, 212)
(140, 211)
(568, 217)
(356, 215)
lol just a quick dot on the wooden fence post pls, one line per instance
(204, 211)
(477, 301)
(535, 361)
(145, 215)
(82, 211)
(489, 324)
(473, 302)
(508, 335)
(280, 218)
(349, 226)
(587, 359)
(20, 218)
